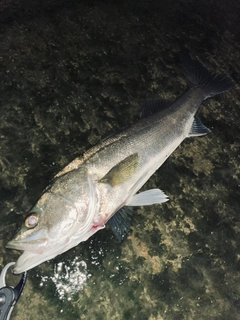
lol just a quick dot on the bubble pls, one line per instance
(68, 279)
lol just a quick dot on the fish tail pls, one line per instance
(198, 76)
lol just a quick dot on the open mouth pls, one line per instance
(29, 260)
(36, 247)
(35, 243)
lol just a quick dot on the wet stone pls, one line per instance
(71, 74)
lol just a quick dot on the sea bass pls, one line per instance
(99, 187)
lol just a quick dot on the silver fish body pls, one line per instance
(94, 189)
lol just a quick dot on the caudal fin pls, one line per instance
(198, 75)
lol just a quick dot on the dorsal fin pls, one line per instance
(198, 129)
(152, 106)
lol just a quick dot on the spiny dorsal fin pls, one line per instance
(152, 106)
(122, 172)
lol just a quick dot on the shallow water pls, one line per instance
(71, 74)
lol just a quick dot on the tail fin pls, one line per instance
(198, 75)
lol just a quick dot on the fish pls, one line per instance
(100, 187)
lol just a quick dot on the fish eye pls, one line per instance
(32, 220)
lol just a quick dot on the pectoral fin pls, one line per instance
(148, 197)
(122, 172)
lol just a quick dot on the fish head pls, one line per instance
(54, 225)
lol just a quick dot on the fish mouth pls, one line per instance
(30, 258)
(33, 254)
(37, 247)
(34, 249)
(27, 261)
(35, 243)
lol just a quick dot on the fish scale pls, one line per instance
(99, 187)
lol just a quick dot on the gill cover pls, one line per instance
(62, 224)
